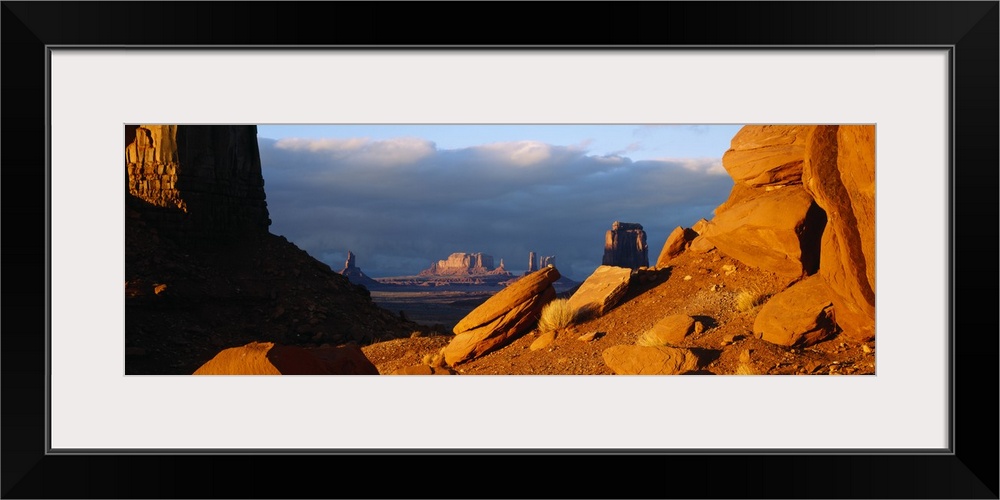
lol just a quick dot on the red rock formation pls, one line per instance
(839, 172)
(804, 203)
(678, 241)
(776, 230)
(768, 155)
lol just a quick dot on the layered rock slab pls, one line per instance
(503, 317)
(601, 291)
(767, 155)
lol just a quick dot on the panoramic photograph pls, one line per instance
(500, 249)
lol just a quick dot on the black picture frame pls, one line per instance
(969, 28)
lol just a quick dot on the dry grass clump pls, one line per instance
(556, 315)
(650, 339)
(434, 360)
(749, 298)
(745, 368)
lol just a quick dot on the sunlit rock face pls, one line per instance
(199, 181)
(625, 246)
(839, 173)
(803, 204)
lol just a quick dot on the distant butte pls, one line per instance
(465, 264)
(625, 246)
(353, 273)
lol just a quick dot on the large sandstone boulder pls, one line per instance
(267, 358)
(642, 360)
(767, 155)
(777, 230)
(839, 173)
(601, 291)
(625, 246)
(503, 317)
(800, 316)
(678, 241)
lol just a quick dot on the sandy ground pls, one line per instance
(708, 294)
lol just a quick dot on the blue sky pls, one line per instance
(638, 142)
(403, 196)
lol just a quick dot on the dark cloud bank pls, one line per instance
(403, 203)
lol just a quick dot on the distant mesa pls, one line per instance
(466, 264)
(353, 273)
(625, 246)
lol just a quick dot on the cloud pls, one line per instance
(401, 204)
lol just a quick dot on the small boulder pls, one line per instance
(543, 340)
(669, 330)
(800, 316)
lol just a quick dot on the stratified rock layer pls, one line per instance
(463, 264)
(504, 316)
(767, 155)
(197, 181)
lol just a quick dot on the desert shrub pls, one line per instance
(556, 315)
(434, 360)
(749, 298)
(649, 339)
